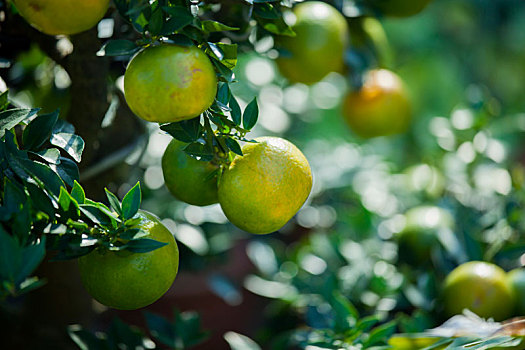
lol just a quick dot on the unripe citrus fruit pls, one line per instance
(482, 288)
(189, 180)
(319, 45)
(263, 189)
(399, 8)
(420, 233)
(66, 17)
(125, 280)
(516, 279)
(381, 107)
(169, 83)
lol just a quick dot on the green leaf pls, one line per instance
(71, 143)
(12, 117)
(38, 131)
(131, 202)
(68, 170)
(380, 334)
(233, 145)
(180, 17)
(226, 53)
(4, 101)
(223, 93)
(225, 73)
(41, 173)
(199, 151)
(118, 48)
(251, 114)
(50, 155)
(32, 256)
(161, 329)
(267, 11)
(185, 131)
(65, 201)
(77, 192)
(98, 215)
(144, 245)
(276, 26)
(113, 202)
(213, 26)
(40, 200)
(181, 40)
(235, 110)
(156, 22)
(9, 256)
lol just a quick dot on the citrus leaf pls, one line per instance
(233, 145)
(235, 110)
(213, 26)
(67, 170)
(50, 155)
(4, 102)
(69, 142)
(118, 48)
(77, 192)
(31, 257)
(113, 202)
(131, 202)
(12, 117)
(144, 245)
(251, 114)
(185, 131)
(180, 17)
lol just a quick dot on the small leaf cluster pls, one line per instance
(183, 332)
(42, 205)
(187, 23)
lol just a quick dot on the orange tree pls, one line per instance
(182, 57)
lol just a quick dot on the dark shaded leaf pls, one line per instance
(144, 245)
(185, 131)
(233, 145)
(235, 110)
(68, 171)
(251, 114)
(118, 48)
(114, 203)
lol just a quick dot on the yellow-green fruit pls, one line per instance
(380, 108)
(127, 281)
(482, 288)
(319, 45)
(55, 17)
(399, 8)
(423, 224)
(264, 188)
(189, 180)
(169, 83)
(516, 279)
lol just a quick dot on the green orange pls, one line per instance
(55, 17)
(380, 108)
(263, 189)
(482, 288)
(169, 83)
(125, 280)
(516, 279)
(420, 233)
(319, 45)
(189, 180)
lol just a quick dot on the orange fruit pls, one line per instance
(482, 288)
(169, 83)
(263, 189)
(189, 180)
(125, 280)
(420, 233)
(380, 108)
(319, 45)
(516, 279)
(55, 17)
(399, 8)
